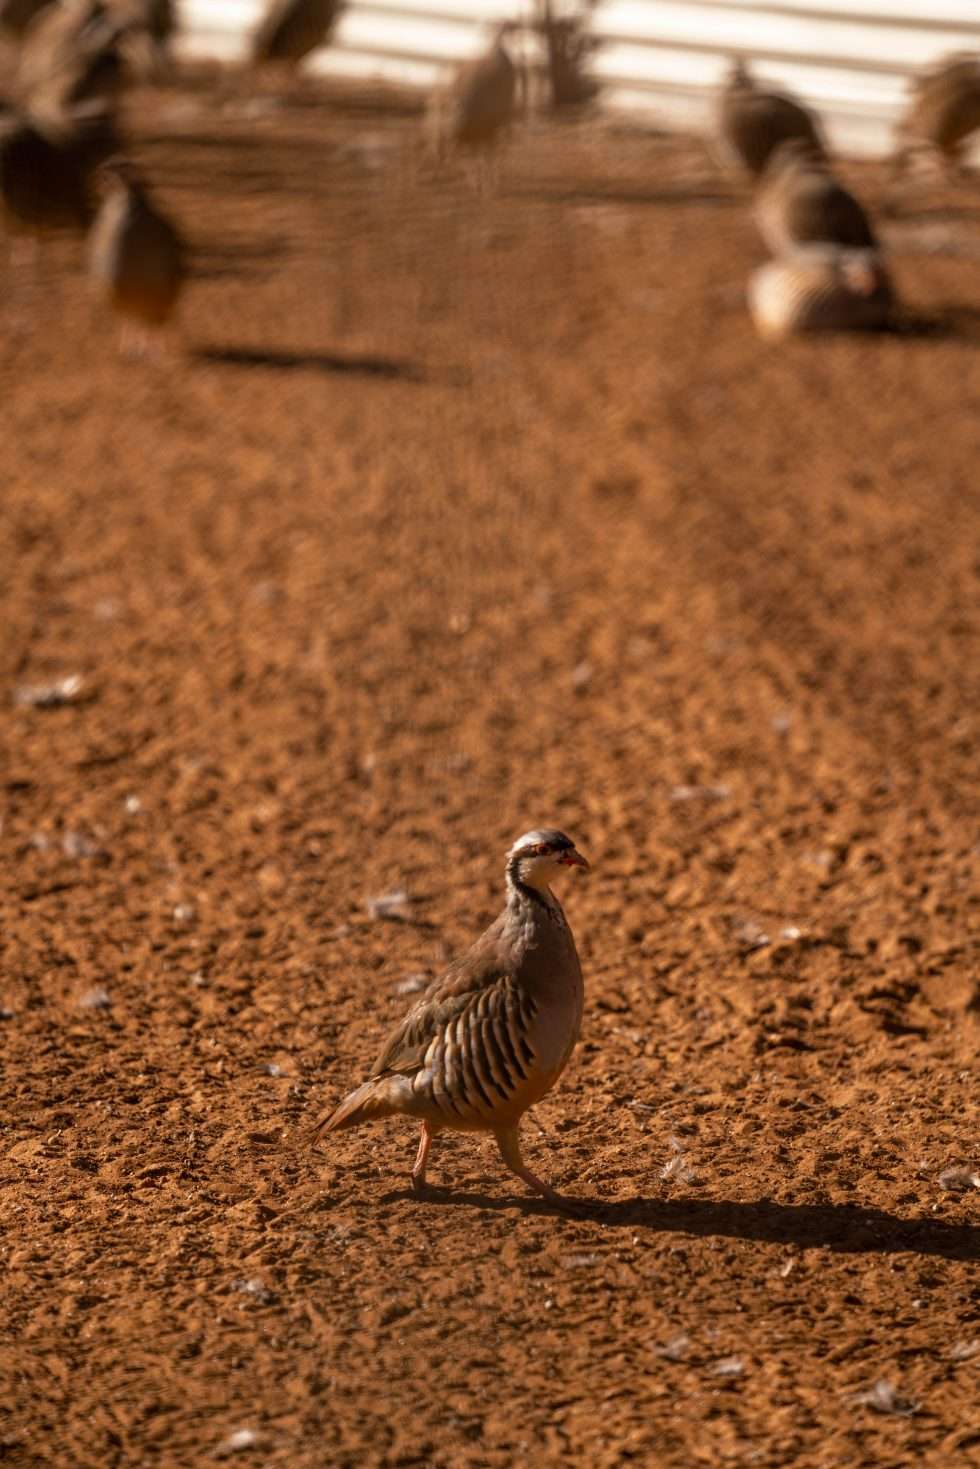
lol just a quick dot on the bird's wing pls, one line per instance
(476, 992)
(848, 221)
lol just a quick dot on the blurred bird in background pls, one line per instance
(752, 121)
(136, 257)
(475, 110)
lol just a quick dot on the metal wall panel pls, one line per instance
(659, 57)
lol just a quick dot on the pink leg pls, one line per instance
(421, 1159)
(510, 1150)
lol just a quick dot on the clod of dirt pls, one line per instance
(76, 844)
(959, 1179)
(412, 984)
(49, 695)
(676, 1349)
(255, 1288)
(751, 935)
(884, 1398)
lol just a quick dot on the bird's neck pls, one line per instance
(527, 901)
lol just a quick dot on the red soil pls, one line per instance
(453, 516)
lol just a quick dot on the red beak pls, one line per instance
(574, 859)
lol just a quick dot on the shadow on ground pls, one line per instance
(330, 362)
(847, 1228)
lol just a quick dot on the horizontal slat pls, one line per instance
(662, 57)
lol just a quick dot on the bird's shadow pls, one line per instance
(392, 368)
(556, 192)
(846, 1228)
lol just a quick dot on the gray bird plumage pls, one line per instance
(291, 29)
(942, 115)
(136, 255)
(752, 121)
(46, 168)
(478, 105)
(492, 1035)
(821, 290)
(800, 202)
(72, 54)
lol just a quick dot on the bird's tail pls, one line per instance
(367, 1104)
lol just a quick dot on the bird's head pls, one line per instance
(538, 857)
(504, 30)
(862, 272)
(116, 172)
(739, 74)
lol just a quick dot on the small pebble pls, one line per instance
(389, 905)
(49, 695)
(752, 935)
(97, 999)
(412, 984)
(255, 1288)
(728, 1367)
(242, 1438)
(700, 793)
(76, 844)
(884, 1398)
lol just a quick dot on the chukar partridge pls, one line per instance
(753, 121)
(136, 256)
(45, 170)
(478, 105)
(493, 1034)
(821, 291)
(95, 75)
(158, 18)
(146, 29)
(799, 202)
(942, 115)
(64, 39)
(291, 29)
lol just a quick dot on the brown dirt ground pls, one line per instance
(457, 515)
